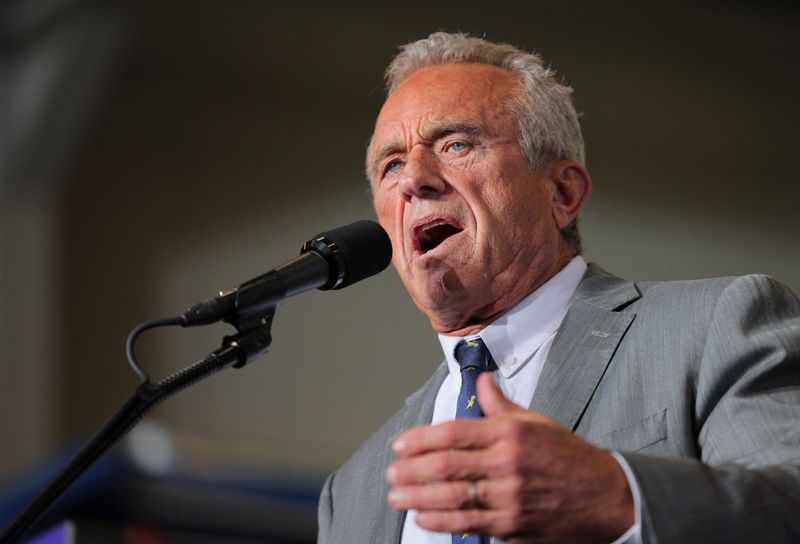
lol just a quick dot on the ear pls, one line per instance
(572, 186)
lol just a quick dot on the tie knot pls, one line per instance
(473, 354)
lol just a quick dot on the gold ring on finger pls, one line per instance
(473, 494)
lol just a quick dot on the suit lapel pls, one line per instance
(419, 411)
(585, 343)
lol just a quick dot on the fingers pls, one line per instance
(485, 495)
(485, 522)
(469, 433)
(512, 474)
(436, 467)
(438, 496)
(458, 434)
(448, 507)
(456, 521)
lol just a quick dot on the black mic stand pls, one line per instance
(236, 352)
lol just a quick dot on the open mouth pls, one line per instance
(431, 235)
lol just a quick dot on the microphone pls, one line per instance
(330, 260)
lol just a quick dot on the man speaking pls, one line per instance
(572, 406)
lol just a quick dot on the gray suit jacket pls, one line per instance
(696, 383)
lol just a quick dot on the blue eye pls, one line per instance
(392, 166)
(457, 146)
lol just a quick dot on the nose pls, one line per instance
(421, 177)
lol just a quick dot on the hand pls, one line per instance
(535, 481)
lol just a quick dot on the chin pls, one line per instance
(443, 294)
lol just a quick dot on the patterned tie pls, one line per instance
(474, 358)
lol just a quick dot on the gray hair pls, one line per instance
(543, 106)
(543, 109)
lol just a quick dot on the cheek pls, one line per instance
(514, 219)
(381, 206)
(502, 210)
(388, 218)
(384, 212)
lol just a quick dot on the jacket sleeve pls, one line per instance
(325, 511)
(745, 487)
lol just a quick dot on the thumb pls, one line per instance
(491, 399)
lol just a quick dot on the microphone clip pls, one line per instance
(252, 343)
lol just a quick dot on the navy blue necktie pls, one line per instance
(474, 358)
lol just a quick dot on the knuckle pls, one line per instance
(510, 459)
(513, 510)
(515, 513)
(455, 497)
(517, 454)
(515, 430)
(449, 432)
(504, 526)
(472, 520)
(514, 490)
(444, 463)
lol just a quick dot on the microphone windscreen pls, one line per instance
(365, 248)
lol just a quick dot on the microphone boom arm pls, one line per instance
(331, 260)
(236, 351)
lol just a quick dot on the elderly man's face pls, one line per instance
(472, 225)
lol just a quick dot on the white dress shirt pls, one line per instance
(519, 342)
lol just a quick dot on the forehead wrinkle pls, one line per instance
(439, 129)
(429, 133)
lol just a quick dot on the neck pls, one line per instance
(470, 325)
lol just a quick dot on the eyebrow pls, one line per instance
(432, 133)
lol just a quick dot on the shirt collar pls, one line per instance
(514, 337)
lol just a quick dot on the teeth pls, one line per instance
(434, 224)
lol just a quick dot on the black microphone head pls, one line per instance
(353, 252)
